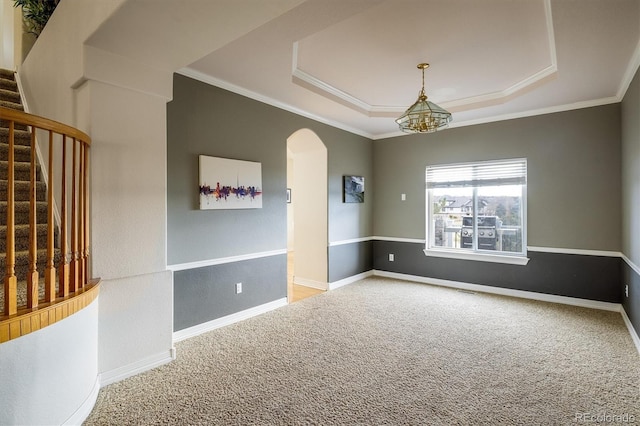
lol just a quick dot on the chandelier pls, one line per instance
(423, 116)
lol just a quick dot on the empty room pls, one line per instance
(321, 212)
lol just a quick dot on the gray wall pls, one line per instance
(584, 277)
(208, 293)
(573, 200)
(203, 120)
(350, 259)
(574, 194)
(573, 175)
(631, 197)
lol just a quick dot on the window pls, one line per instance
(478, 211)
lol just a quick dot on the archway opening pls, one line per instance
(307, 224)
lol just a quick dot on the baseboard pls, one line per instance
(137, 367)
(86, 407)
(227, 320)
(310, 283)
(349, 280)
(565, 300)
(632, 331)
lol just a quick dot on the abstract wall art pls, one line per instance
(229, 184)
(353, 189)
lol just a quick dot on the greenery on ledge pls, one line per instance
(36, 13)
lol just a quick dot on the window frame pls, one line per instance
(476, 254)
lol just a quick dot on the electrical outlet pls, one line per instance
(238, 288)
(391, 257)
(626, 290)
(403, 197)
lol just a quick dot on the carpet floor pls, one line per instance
(389, 352)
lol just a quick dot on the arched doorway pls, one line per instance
(307, 226)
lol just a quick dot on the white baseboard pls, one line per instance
(227, 320)
(585, 303)
(632, 331)
(310, 283)
(349, 280)
(137, 367)
(86, 407)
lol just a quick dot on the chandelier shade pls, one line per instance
(423, 116)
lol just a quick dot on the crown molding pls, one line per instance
(632, 68)
(213, 81)
(304, 79)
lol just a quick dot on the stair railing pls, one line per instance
(75, 289)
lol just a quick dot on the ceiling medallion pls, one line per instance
(423, 116)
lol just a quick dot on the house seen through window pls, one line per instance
(477, 207)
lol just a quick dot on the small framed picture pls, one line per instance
(288, 195)
(353, 189)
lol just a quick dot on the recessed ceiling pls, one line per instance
(353, 64)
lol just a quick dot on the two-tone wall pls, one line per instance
(212, 250)
(631, 201)
(573, 202)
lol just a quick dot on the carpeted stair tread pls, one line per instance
(17, 126)
(21, 153)
(22, 294)
(11, 105)
(21, 170)
(22, 212)
(10, 95)
(7, 74)
(22, 257)
(22, 263)
(21, 190)
(22, 237)
(8, 84)
(20, 137)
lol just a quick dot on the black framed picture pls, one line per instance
(353, 189)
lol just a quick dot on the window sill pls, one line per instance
(480, 257)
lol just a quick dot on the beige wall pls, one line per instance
(310, 208)
(10, 35)
(99, 66)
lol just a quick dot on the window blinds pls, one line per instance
(486, 173)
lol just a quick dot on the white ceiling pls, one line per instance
(352, 63)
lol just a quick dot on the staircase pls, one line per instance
(10, 98)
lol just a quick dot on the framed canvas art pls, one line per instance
(229, 184)
(353, 189)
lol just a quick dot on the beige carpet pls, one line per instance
(388, 352)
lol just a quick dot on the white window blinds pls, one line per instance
(487, 173)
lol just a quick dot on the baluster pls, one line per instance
(10, 280)
(81, 254)
(85, 188)
(50, 270)
(63, 268)
(73, 266)
(32, 276)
